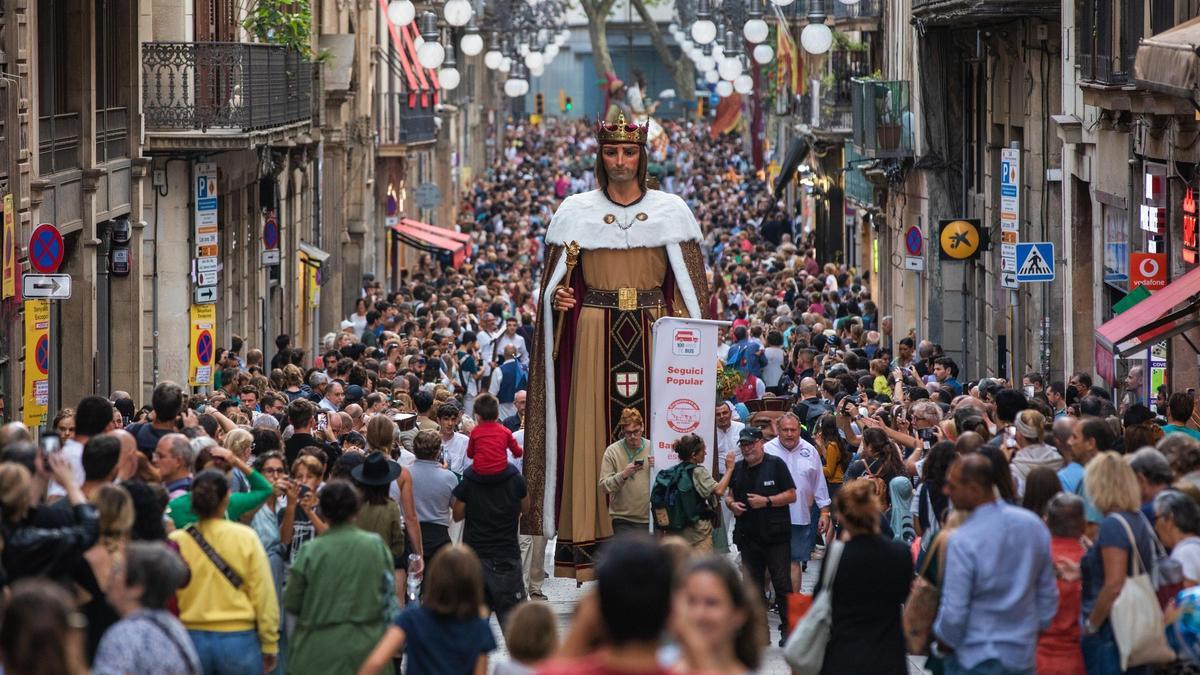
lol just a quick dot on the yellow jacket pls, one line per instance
(209, 602)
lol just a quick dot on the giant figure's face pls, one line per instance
(620, 161)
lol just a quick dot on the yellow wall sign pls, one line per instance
(37, 361)
(960, 239)
(203, 345)
(8, 242)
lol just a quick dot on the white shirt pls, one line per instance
(804, 464)
(774, 368)
(728, 441)
(518, 462)
(517, 341)
(72, 451)
(1187, 552)
(325, 404)
(454, 451)
(484, 339)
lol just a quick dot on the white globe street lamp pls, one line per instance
(458, 12)
(401, 12)
(712, 76)
(763, 54)
(755, 31)
(744, 84)
(816, 38)
(724, 88)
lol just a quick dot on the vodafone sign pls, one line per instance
(1148, 269)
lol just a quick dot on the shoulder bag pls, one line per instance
(215, 558)
(922, 606)
(1137, 620)
(804, 650)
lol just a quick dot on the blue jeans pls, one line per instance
(989, 667)
(228, 653)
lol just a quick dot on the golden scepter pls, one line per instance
(572, 261)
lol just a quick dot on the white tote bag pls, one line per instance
(804, 650)
(1137, 620)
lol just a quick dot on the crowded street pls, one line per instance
(599, 337)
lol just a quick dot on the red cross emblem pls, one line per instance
(627, 384)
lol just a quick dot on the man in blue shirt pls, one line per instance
(1179, 413)
(745, 354)
(999, 590)
(945, 370)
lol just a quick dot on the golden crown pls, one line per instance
(621, 132)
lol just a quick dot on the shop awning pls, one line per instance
(431, 239)
(1168, 312)
(439, 231)
(421, 82)
(1170, 62)
(796, 154)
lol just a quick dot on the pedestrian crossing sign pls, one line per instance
(1035, 261)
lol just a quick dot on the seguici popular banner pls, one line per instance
(683, 384)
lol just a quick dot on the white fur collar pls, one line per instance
(581, 218)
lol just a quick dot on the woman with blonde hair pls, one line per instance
(116, 520)
(1032, 451)
(1113, 489)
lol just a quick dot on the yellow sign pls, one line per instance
(202, 345)
(1008, 237)
(960, 239)
(9, 244)
(37, 361)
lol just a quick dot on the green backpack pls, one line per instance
(675, 500)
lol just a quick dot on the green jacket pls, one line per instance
(343, 594)
(240, 503)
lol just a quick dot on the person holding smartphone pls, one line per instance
(625, 478)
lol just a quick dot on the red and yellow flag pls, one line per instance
(790, 72)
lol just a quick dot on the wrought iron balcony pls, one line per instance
(883, 119)
(862, 15)
(836, 104)
(224, 88)
(400, 123)
(979, 12)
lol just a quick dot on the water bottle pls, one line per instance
(414, 578)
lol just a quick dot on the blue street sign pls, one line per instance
(1035, 261)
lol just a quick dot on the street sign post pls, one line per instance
(48, 286)
(428, 195)
(205, 295)
(1035, 261)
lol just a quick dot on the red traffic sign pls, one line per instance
(913, 240)
(270, 235)
(45, 249)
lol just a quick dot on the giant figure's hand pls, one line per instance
(563, 300)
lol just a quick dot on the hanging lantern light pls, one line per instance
(458, 12)
(712, 76)
(704, 30)
(401, 12)
(471, 43)
(816, 38)
(431, 53)
(724, 88)
(763, 54)
(494, 56)
(755, 30)
(448, 75)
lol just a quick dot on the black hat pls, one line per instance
(376, 470)
(354, 394)
(749, 434)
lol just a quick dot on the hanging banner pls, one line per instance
(203, 345)
(683, 384)
(37, 362)
(9, 244)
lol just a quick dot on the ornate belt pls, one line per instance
(624, 299)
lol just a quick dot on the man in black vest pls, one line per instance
(759, 493)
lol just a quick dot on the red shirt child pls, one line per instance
(489, 446)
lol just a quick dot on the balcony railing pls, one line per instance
(402, 124)
(231, 86)
(863, 9)
(836, 109)
(883, 119)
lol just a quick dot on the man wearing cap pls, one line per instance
(804, 465)
(759, 495)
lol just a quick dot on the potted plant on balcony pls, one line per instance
(888, 116)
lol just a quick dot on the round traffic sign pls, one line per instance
(45, 249)
(271, 233)
(42, 354)
(912, 240)
(204, 348)
(959, 239)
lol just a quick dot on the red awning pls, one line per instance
(429, 81)
(408, 60)
(434, 240)
(439, 231)
(1168, 312)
